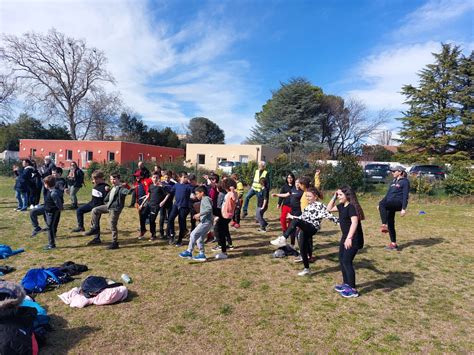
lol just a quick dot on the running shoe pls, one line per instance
(341, 287)
(279, 242)
(349, 293)
(186, 254)
(305, 272)
(200, 257)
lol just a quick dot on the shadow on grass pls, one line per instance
(130, 296)
(63, 339)
(422, 242)
(391, 281)
(360, 264)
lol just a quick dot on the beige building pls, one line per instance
(208, 156)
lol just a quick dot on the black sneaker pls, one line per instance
(94, 241)
(78, 230)
(36, 231)
(178, 244)
(230, 247)
(113, 245)
(91, 232)
(49, 247)
(245, 214)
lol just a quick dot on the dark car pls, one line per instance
(429, 171)
(376, 172)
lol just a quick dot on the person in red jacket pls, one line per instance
(141, 186)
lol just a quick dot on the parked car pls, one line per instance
(226, 166)
(429, 171)
(376, 172)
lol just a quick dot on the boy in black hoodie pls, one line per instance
(99, 191)
(53, 204)
(114, 203)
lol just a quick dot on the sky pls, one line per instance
(178, 59)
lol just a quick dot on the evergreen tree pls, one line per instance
(439, 119)
(203, 130)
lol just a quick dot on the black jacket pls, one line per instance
(16, 330)
(398, 191)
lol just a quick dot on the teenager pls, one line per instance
(352, 239)
(262, 204)
(182, 194)
(150, 207)
(114, 203)
(240, 193)
(309, 224)
(284, 200)
(53, 204)
(205, 224)
(395, 200)
(75, 180)
(99, 191)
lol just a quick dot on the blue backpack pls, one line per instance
(37, 280)
(6, 251)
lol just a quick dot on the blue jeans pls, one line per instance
(22, 198)
(250, 194)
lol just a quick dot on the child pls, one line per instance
(167, 182)
(114, 203)
(141, 192)
(309, 223)
(240, 193)
(350, 217)
(182, 194)
(205, 224)
(262, 205)
(98, 194)
(151, 205)
(227, 209)
(53, 204)
(193, 182)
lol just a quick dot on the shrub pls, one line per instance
(347, 172)
(6, 167)
(422, 185)
(460, 180)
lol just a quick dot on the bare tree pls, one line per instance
(8, 89)
(347, 125)
(384, 137)
(102, 111)
(57, 73)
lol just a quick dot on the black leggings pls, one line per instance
(346, 256)
(387, 211)
(223, 234)
(307, 230)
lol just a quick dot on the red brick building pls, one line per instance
(84, 152)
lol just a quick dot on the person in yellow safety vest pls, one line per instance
(256, 187)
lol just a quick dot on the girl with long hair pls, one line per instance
(352, 239)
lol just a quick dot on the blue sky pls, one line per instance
(174, 60)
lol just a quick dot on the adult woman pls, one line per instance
(75, 180)
(284, 200)
(395, 200)
(352, 239)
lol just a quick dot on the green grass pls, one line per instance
(415, 300)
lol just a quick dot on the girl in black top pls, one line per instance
(350, 217)
(284, 201)
(395, 200)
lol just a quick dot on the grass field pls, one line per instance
(419, 299)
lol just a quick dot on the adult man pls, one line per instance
(256, 186)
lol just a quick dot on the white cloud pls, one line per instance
(434, 14)
(161, 73)
(386, 72)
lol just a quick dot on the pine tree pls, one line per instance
(440, 109)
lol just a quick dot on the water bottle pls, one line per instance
(126, 278)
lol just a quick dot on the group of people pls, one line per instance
(216, 204)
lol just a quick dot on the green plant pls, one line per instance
(347, 172)
(421, 185)
(460, 180)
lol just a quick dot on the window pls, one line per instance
(153, 158)
(110, 156)
(32, 152)
(140, 157)
(264, 158)
(170, 158)
(68, 154)
(201, 159)
(89, 155)
(244, 158)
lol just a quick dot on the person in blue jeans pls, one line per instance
(182, 195)
(352, 239)
(256, 186)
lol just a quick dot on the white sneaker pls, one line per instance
(31, 207)
(304, 272)
(279, 242)
(221, 256)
